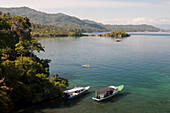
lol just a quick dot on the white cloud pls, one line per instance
(102, 10)
(136, 21)
(167, 2)
(70, 3)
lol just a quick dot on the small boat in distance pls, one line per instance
(75, 92)
(108, 92)
(87, 66)
(117, 40)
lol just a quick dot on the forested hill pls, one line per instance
(127, 28)
(69, 22)
(132, 28)
(60, 20)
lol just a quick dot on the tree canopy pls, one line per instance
(39, 30)
(23, 76)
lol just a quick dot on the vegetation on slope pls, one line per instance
(39, 30)
(119, 34)
(127, 28)
(68, 22)
(132, 28)
(59, 20)
(24, 78)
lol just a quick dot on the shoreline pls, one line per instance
(98, 34)
(35, 105)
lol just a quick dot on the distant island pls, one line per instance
(68, 23)
(118, 34)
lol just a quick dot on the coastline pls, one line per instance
(36, 105)
(98, 34)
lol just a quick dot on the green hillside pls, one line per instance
(59, 20)
(69, 22)
(127, 28)
(132, 28)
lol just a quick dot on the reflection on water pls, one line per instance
(140, 62)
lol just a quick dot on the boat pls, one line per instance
(117, 40)
(107, 92)
(75, 92)
(87, 66)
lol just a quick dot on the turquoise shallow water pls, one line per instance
(140, 62)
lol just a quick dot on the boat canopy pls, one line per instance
(105, 89)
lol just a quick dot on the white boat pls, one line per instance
(75, 92)
(108, 92)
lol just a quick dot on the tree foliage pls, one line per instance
(23, 76)
(39, 30)
(119, 34)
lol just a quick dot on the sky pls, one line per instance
(152, 12)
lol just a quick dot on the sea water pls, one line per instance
(140, 62)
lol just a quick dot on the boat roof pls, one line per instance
(107, 89)
(73, 90)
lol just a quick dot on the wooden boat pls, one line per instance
(117, 40)
(108, 92)
(87, 66)
(75, 92)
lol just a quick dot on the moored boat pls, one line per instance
(108, 92)
(117, 40)
(75, 92)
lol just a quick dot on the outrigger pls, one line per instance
(108, 92)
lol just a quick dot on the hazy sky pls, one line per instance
(106, 11)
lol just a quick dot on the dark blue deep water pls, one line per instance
(141, 62)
